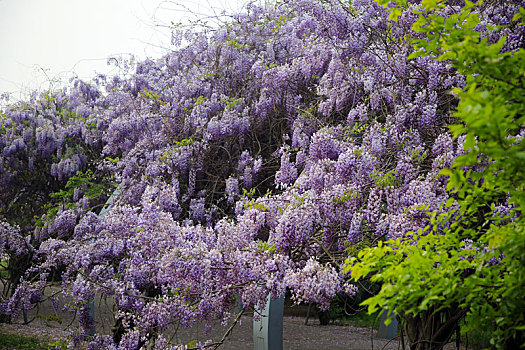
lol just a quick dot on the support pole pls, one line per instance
(91, 310)
(268, 330)
(308, 314)
(387, 332)
(105, 209)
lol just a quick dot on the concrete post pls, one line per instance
(105, 209)
(268, 330)
(387, 332)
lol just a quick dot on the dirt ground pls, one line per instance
(296, 336)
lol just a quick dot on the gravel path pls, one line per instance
(296, 336)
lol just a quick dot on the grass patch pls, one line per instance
(17, 342)
(364, 320)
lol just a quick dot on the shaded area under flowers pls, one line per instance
(49, 324)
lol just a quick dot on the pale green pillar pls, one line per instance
(268, 330)
(105, 209)
(387, 332)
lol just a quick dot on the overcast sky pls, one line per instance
(49, 40)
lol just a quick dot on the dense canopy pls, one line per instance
(251, 161)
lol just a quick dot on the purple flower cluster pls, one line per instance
(315, 283)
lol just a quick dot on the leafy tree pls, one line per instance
(469, 262)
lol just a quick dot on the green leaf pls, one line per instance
(416, 54)
(429, 4)
(394, 14)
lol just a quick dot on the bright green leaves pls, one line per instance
(235, 44)
(474, 255)
(519, 15)
(200, 100)
(151, 96)
(394, 14)
(385, 180)
(416, 275)
(400, 3)
(231, 102)
(168, 153)
(264, 246)
(443, 34)
(86, 182)
(279, 22)
(430, 4)
(346, 197)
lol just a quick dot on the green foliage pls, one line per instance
(149, 94)
(356, 130)
(253, 205)
(264, 246)
(435, 269)
(415, 272)
(384, 180)
(113, 160)
(248, 194)
(200, 100)
(49, 319)
(192, 344)
(478, 338)
(279, 23)
(152, 96)
(235, 44)
(363, 319)
(85, 181)
(248, 197)
(232, 102)
(59, 344)
(176, 144)
(346, 197)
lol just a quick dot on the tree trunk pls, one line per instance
(431, 330)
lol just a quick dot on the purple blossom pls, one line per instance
(232, 189)
(314, 283)
(287, 173)
(197, 210)
(65, 223)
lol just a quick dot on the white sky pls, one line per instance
(50, 40)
